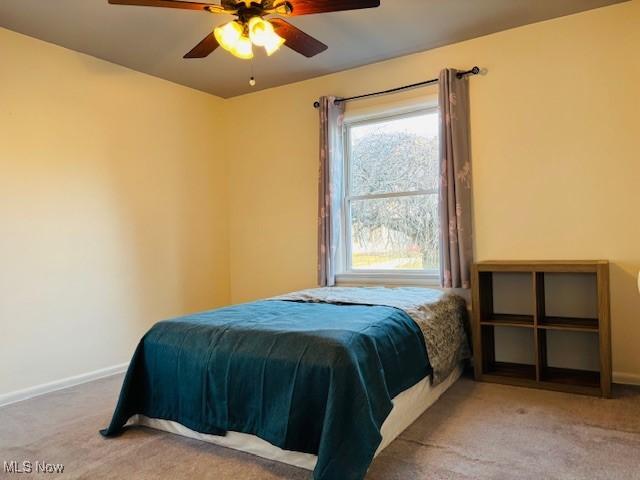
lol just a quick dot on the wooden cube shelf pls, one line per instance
(539, 373)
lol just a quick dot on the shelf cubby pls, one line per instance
(557, 313)
(499, 305)
(567, 301)
(571, 376)
(512, 370)
(516, 363)
(578, 369)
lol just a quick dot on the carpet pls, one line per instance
(475, 431)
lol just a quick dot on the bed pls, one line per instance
(323, 379)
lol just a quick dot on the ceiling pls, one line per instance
(153, 40)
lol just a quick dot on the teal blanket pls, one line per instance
(309, 377)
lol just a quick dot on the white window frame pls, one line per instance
(346, 275)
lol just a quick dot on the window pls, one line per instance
(390, 209)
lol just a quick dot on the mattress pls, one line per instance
(407, 407)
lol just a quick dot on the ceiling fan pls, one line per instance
(252, 28)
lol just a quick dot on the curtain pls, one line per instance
(330, 188)
(456, 249)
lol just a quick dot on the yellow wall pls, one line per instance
(113, 209)
(119, 204)
(555, 133)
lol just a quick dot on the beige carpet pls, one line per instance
(476, 431)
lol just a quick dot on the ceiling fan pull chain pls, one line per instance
(252, 79)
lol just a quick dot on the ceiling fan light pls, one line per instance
(282, 7)
(243, 48)
(273, 43)
(228, 35)
(259, 31)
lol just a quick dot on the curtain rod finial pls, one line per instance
(475, 70)
(316, 104)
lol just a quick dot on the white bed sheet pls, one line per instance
(407, 407)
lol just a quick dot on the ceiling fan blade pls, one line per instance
(204, 48)
(308, 7)
(167, 4)
(296, 39)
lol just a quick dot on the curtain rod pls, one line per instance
(473, 71)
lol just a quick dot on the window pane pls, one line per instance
(396, 155)
(399, 233)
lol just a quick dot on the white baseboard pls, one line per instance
(31, 392)
(20, 395)
(626, 378)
